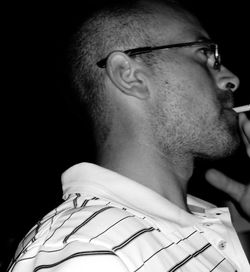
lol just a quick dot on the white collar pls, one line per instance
(104, 183)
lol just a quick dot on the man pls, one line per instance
(154, 111)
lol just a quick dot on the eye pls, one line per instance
(206, 51)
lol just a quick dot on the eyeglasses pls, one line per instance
(210, 50)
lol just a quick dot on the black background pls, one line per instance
(44, 131)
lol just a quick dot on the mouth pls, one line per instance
(229, 108)
(227, 101)
(229, 114)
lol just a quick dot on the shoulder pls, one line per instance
(70, 257)
(80, 228)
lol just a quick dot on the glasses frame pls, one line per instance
(143, 50)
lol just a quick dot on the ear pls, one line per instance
(128, 75)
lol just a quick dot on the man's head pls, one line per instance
(175, 97)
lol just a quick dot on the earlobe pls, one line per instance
(127, 75)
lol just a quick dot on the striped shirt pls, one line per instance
(111, 223)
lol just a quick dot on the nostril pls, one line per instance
(230, 86)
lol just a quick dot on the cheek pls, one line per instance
(196, 90)
(191, 89)
(194, 111)
(194, 97)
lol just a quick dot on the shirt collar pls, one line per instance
(104, 183)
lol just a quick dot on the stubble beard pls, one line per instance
(216, 140)
(222, 140)
(184, 135)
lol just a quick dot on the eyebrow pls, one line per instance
(203, 39)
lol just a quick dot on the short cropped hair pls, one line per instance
(117, 26)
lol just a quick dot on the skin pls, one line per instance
(238, 191)
(162, 121)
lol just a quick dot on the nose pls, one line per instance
(226, 80)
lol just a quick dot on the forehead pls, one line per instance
(171, 26)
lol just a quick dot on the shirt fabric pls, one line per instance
(111, 223)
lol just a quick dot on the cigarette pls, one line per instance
(242, 108)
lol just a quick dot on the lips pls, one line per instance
(226, 99)
(228, 106)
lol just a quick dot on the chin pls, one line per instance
(222, 146)
(229, 148)
(222, 140)
(227, 139)
(230, 137)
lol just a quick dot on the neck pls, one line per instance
(168, 175)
